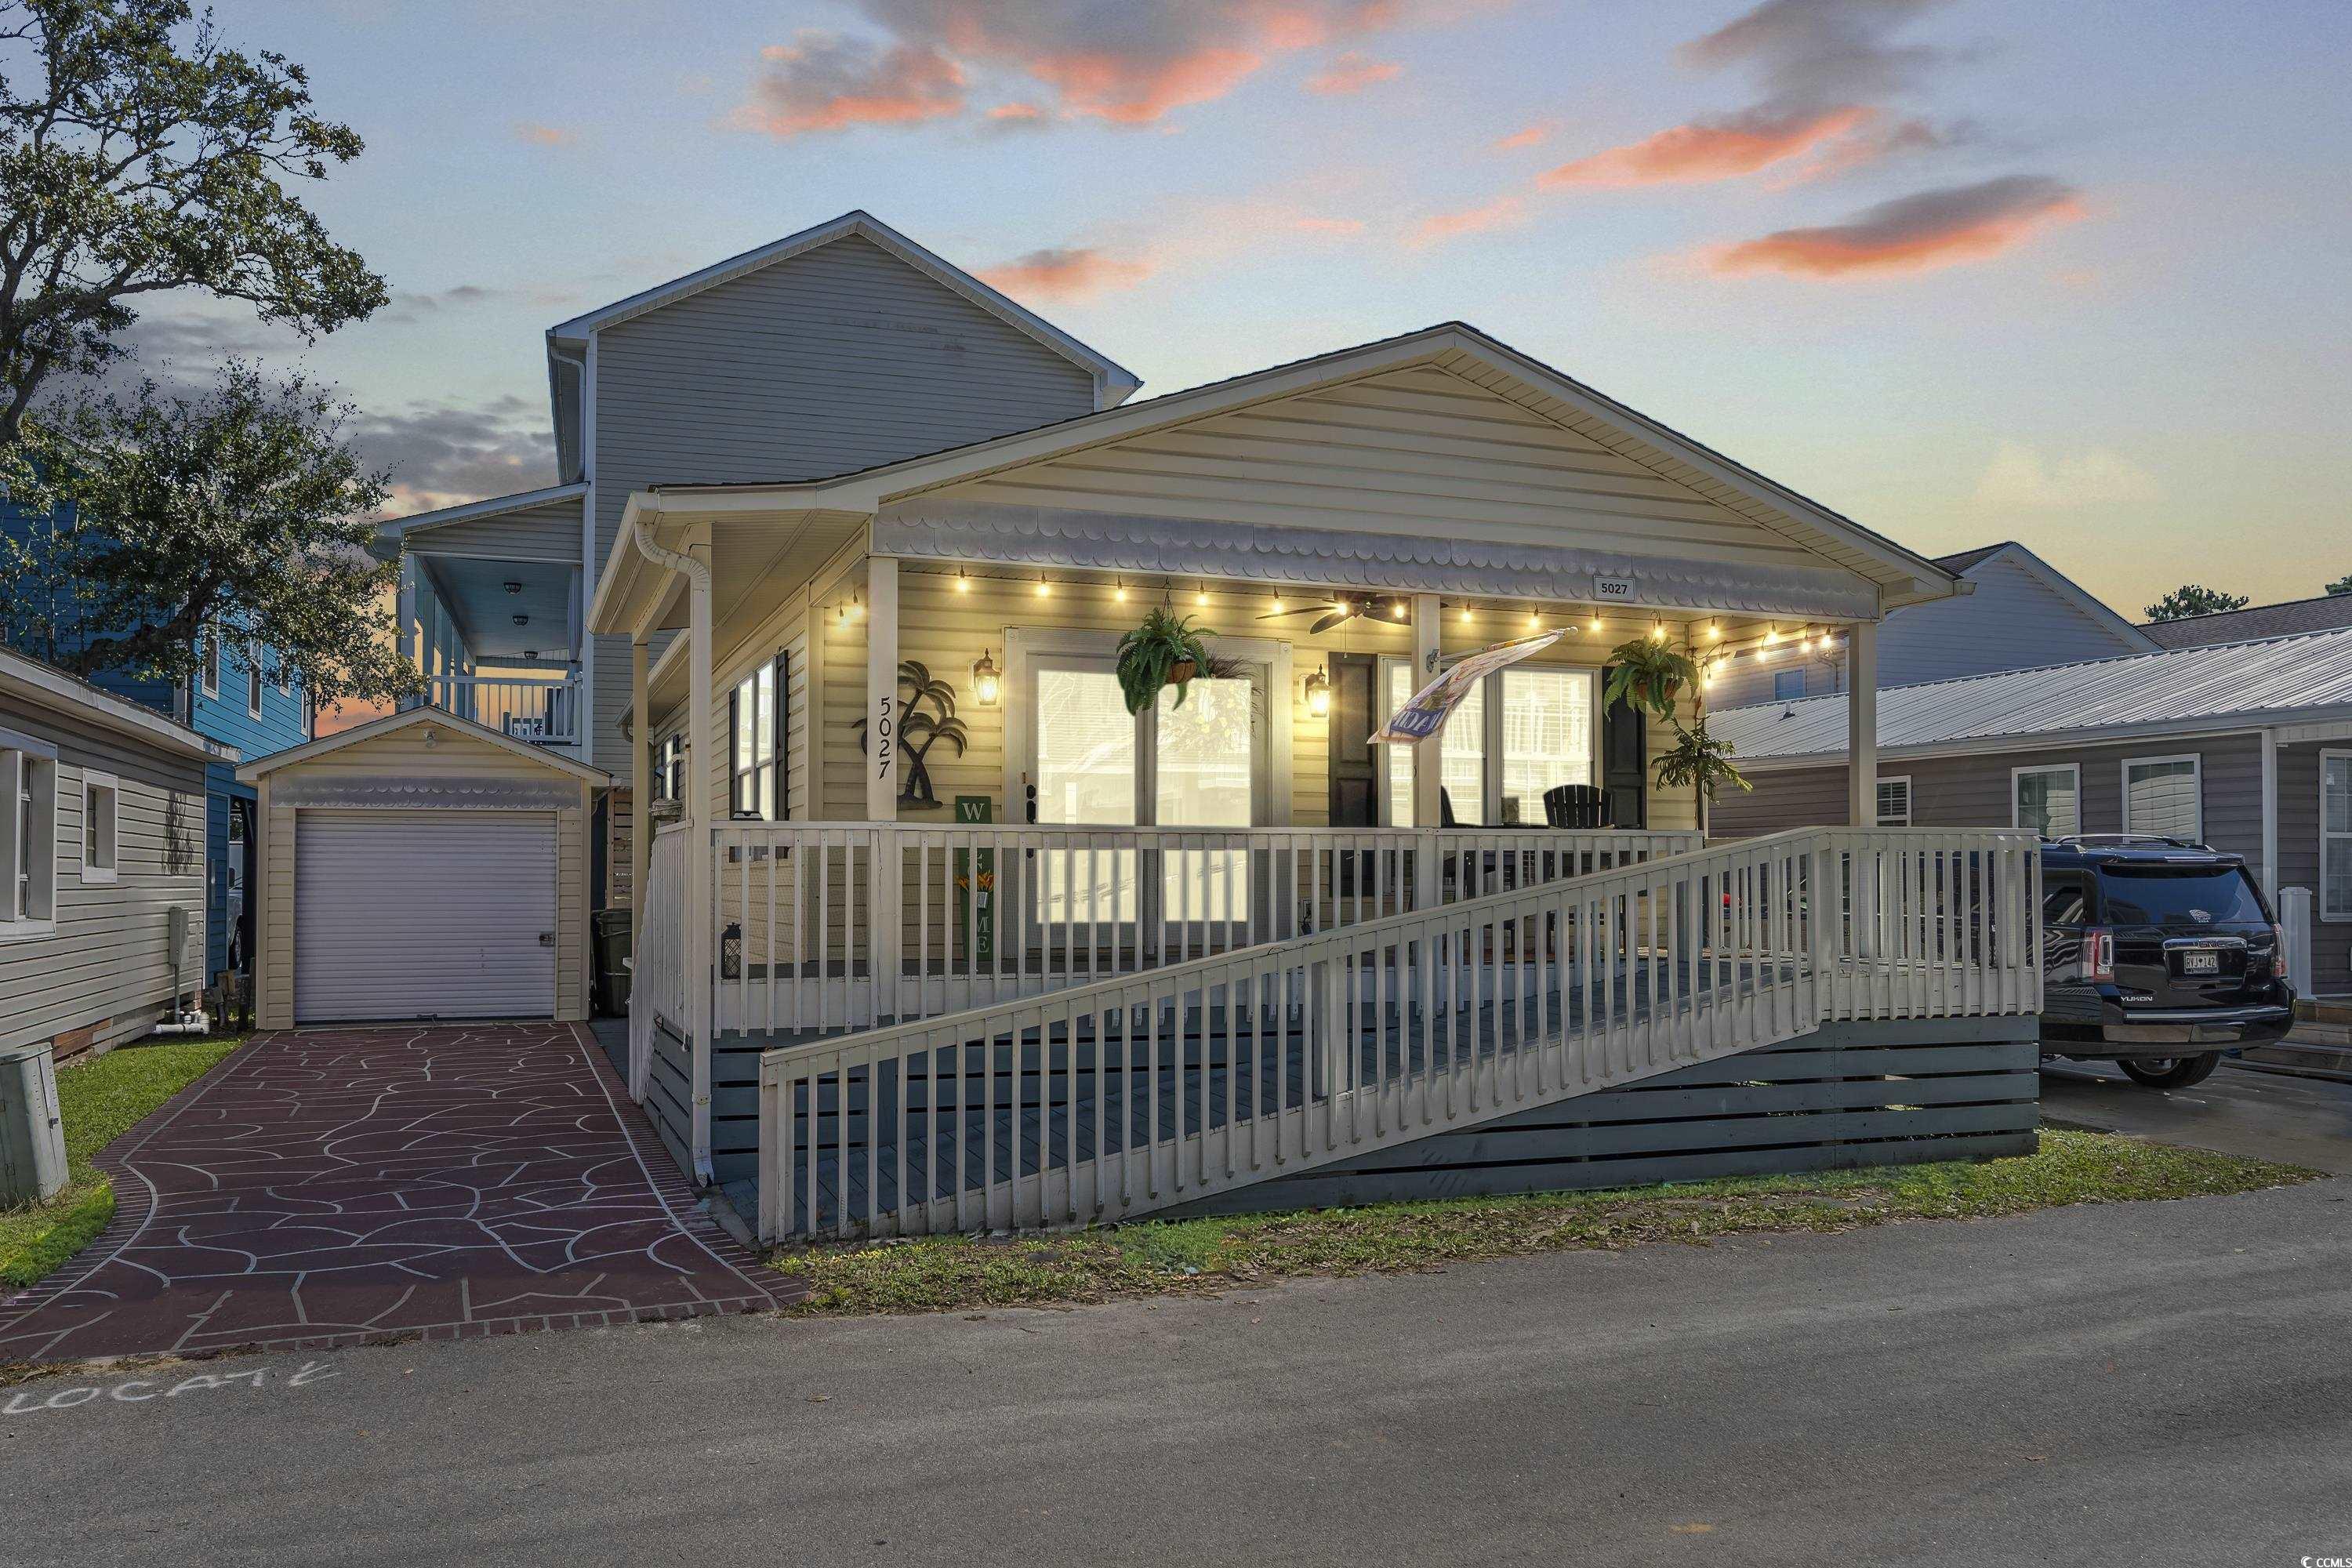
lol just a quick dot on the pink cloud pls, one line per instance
(1335, 226)
(1534, 135)
(1507, 212)
(822, 82)
(539, 135)
(1913, 234)
(1016, 111)
(1352, 72)
(1066, 273)
(1709, 150)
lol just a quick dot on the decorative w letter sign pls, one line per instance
(1426, 714)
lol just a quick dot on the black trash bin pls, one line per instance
(612, 929)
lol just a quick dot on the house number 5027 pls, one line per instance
(885, 730)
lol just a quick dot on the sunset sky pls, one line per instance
(2072, 274)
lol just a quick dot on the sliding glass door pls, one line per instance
(1522, 733)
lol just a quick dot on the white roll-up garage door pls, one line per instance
(424, 914)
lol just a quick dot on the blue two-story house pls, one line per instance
(243, 696)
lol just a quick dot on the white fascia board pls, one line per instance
(40, 682)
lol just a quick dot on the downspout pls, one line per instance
(700, 966)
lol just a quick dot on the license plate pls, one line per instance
(2200, 964)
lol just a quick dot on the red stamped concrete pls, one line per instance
(331, 1186)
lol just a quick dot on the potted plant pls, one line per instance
(1166, 650)
(1649, 673)
(1698, 759)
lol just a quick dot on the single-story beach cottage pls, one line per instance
(102, 862)
(2245, 746)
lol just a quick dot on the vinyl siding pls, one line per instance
(2331, 940)
(403, 753)
(1974, 791)
(838, 358)
(2015, 620)
(549, 532)
(107, 964)
(1407, 453)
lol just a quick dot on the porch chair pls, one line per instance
(1575, 806)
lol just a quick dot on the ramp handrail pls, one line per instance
(1144, 1091)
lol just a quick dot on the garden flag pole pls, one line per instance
(1426, 714)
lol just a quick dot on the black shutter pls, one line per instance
(734, 747)
(1624, 763)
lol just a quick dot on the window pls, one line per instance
(669, 767)
(1894, 801)
(2046, 800)
(2162, 798)
(2065, 899)
(2176, 895)
(208, 660)
(1788, 685)
(1546, 718)
(102, 816)
(2335, 835)
(755, 714)
(28, 835)
(253, 660)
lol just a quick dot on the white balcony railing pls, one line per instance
(543, 709)
(826, 926)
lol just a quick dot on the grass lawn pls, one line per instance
(947, 1273)
(102, 1099)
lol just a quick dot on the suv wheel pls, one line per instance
(2170, 1072)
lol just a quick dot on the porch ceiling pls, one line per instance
(477, 594)
(758, 561)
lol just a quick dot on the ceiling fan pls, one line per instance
(1337, 613)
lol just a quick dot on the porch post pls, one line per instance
(2271, 825)
(701, 965)
(641, 779)
(882, 776)
(1428, 622)
(408, 612)
(1861, 724)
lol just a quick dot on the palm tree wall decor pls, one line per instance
(919, 730)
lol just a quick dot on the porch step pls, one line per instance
(2319, 1057)
(2336, 1014)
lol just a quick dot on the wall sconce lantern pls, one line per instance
(1317, 692)
(987, 687)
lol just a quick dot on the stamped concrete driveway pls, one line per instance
(329, 1187)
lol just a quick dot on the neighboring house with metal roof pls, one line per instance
(2326, 612)
(2016, 610)
(2246, 746)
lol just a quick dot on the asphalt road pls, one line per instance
(2151, 1383)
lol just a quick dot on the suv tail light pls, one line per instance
(2098, 954)
(2278, 952)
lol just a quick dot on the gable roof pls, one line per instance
(2275, 681)
(2325, 613)
(392, 723)
(1968, 563)
(1485, 362)
(32, 679)
(1115, 381)
(392, 530)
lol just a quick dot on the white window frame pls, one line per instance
(2017, 817)
(253, 677)
(209, 661)
(97, 786)
(2342, 912)
(28, 764)
(2196, 761)
(1490, 694)
(1904, 780)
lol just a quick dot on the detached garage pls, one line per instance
(421, 867)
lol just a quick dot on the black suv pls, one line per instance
(2158, 954)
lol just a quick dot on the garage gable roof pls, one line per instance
(392, 723)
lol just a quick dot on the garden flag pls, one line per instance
(1425, 715)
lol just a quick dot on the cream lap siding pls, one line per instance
(838, 358)
(107, 961)
(549, 532)
(1410, 452)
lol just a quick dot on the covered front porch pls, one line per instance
(893, 778)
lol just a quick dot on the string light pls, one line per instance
(1397, 609)
(1595, 623)
(1119, 594)
(1466, 615)
(1045, 589)
(1278, 603)
(1772, 636)
(1715, 631)
(1658, 631)
(1534, 620)
(963, 584)
(1201, 597)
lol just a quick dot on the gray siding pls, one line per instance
(549, 532)
(838, 358)
(2015, 620)
(1973, 790)
(107, 963)
(2331, 940)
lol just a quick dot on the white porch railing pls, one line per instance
(1147, 1090)
(657, 964)
(972, 914)
(544, 711)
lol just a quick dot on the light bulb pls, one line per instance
(1466, 615)
(1594, 624)
(1118, 594)
(1278, 603)
(1045, 589)
(1201, 597)
(963, 584)
(1715, 632)
(1658, 632)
